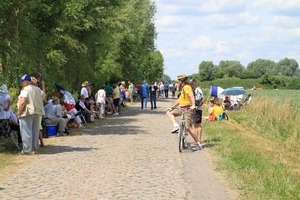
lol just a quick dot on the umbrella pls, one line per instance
(233, 91)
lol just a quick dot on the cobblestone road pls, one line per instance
(130, 156)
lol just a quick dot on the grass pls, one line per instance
(258, 149)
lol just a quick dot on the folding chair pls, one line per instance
(12, 138)
(81, 116)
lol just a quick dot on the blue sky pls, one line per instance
(192, 31)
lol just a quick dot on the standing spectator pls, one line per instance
(173, 90)
(161, 89)
(199, 100)
(109, 94)
(36, 81)
(144, 92)
(90, 89)
(123, 95)
(138, 86)
(116, 98)
(166, 89)
(85, 89)
(100, 97)
(131, 91)
(30, 108)
(153, 88)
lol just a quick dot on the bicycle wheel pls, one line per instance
(181, 137)
(184, 141)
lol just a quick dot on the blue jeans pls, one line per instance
(153, 100)
(144, 102)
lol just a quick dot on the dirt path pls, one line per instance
(130, 156)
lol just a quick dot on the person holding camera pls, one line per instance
(199, 100)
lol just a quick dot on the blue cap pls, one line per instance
(25, 77)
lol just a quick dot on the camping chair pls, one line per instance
(11, 139)
(79, 113)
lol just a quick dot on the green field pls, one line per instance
(258, 148)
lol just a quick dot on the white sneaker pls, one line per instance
(175, 129)
(116, 114)
(197, 147)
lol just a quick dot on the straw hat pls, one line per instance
(85, 83)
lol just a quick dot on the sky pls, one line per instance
(192, 31)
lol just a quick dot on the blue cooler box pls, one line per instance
(51, 129)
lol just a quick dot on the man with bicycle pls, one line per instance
(186, 103)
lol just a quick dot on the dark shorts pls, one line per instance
(116, 102)
(198, 117)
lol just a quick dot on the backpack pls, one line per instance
(198, 96)
(222, 116)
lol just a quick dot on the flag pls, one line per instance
(215, 91)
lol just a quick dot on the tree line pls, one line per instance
(284, 74)
(285, 67)
(70, 41)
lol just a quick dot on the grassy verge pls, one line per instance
(258, 149)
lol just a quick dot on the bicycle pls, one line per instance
(183, 144)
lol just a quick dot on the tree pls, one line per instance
(231, 68)
(261, 66)
(287, 67)
(166, 79)
(207, 71)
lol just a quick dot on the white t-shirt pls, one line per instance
(84, 92)
(101, 96)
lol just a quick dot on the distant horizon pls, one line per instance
(193, 31)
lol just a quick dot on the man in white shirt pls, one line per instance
(84, 89)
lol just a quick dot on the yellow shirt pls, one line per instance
(184, 99)
(216, 110)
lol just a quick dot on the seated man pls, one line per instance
(214, 112)
(80, 106)
(53, 115)
(71, 114)
(226, 103)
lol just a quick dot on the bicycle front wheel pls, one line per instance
(181, 137)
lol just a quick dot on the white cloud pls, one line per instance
(192, 31)
(285, 22)
(170, 21)
(202, 42)
(222, 47)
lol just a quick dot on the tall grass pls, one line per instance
(277, 121)
(258, 148)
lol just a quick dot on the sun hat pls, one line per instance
(25, 77)
(3, 89)
(85, 83)
(182, 77)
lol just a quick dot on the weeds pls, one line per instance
(258, 148)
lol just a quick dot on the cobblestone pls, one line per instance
(130, 156)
